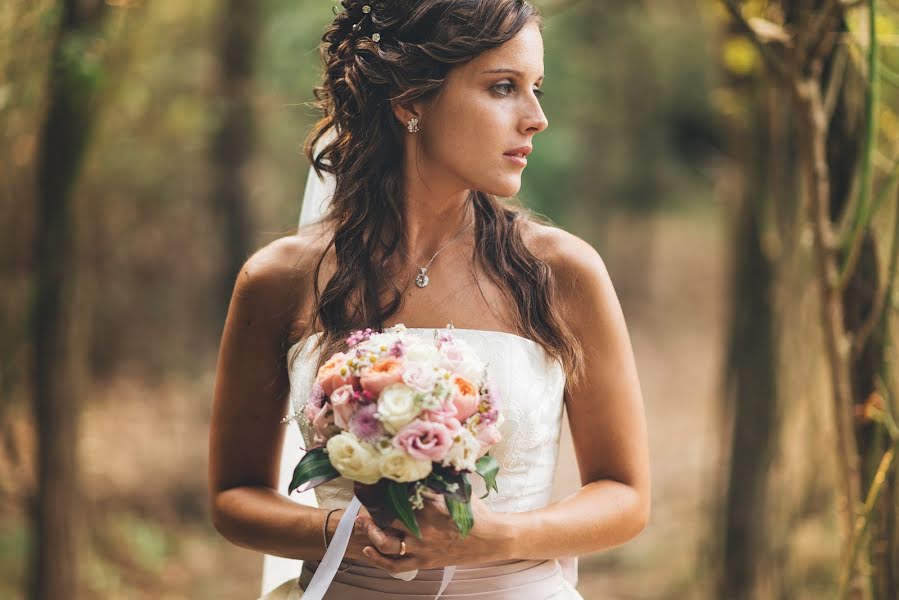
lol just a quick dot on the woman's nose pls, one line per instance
(536, 120)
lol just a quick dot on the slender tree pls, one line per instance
(73, 82)
(233, 142)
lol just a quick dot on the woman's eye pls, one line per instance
(505, 89)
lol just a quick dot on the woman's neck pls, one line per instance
(429, 226)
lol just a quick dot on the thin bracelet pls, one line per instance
(325, 526)
(325, 536)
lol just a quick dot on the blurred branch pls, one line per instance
(889, 76)
(861, 216)
(758, 36)
(835, 81)
(878, 314)
(810, 107)
(864, 519)
(821, 17)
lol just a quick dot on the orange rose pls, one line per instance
(334, 373)
(386, 371)
(466, 398)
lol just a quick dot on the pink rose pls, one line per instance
(452, 353)
(386, 371)
(420, 378)
(443, 413)
(334, 373)
(311, 411)
(323, 424)
(489, 436)
(343, 401)
(453, 425)
(424, 440)
(466, 398)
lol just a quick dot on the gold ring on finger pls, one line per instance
(402, 547)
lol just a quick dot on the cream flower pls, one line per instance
(399, 466)
(423, 353)
(461, 359)
(397, 406)
(354, 459)
(464, 452)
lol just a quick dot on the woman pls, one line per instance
(429, 110)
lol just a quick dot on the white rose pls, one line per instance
(399, 466)
(423, 353)
(463, 454)
(461, 359)
(397, 406)
(354, 459)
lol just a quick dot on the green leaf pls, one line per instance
(450, 483)
(487, 467)
(398, 500)
(314, 469)
(461, 514)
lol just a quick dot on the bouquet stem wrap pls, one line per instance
(327, 569)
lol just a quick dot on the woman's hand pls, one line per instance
(360, 537)
(441, 544)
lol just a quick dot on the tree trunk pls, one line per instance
(750, 369)
(56, 382)
(234, 141)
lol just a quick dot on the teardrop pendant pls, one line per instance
(421, 280)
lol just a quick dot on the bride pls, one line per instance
(430, 108)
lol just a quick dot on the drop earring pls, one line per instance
(412, 125)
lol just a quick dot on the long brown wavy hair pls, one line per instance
(420, 41)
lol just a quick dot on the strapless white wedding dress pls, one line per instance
(532, 386)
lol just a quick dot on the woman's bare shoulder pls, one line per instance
(276, 274)
(564, 252)
(583, 281)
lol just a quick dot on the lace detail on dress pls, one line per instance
(532, 386)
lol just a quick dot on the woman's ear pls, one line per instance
(404, 112)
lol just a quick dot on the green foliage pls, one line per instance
(398, 501)
(313, 469)
(81, 62)
(14, 549)
(488, 468)
(461, 514)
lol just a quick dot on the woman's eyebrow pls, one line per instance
(508, 70)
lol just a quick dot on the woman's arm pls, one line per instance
(606, 416)
(250, 398)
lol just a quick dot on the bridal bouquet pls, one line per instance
(398, 415)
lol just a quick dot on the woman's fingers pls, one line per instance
(385, 544)
(389, 564)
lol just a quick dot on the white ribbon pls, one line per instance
(327, 568)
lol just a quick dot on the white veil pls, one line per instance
(319, 192)
(275, 569)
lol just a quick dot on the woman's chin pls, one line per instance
(504, 189)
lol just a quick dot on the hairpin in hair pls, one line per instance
(366, 12)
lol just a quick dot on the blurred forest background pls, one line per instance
(734, 163)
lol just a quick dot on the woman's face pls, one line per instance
(488, 108)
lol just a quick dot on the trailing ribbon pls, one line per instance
(327, 568)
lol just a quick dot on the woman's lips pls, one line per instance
(517, 159)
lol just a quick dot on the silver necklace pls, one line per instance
(422, 279)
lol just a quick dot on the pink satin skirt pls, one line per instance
(502, 580)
